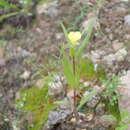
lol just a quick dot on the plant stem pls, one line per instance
(74, 98)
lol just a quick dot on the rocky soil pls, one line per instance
(24, 55)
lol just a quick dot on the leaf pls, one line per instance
(86, 40)
(8, 15)
(41, 116)
(68, 71)
(6, 4)
(87, 69)
(60, 102)
(2, 42)
(34, 98)
(122, 126)
(66, 34)
(109, 117)
(86, 98)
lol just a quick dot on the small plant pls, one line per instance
(72, 62)
(38, 103)
(111, 91)
(124, 121)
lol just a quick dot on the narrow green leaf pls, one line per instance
(60, 102)
(109, 117)
(86, 98)
(6, 4)
(86, 40)
(65, 33)
(8, 15)
(68, 71)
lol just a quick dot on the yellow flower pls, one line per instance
(74, 37)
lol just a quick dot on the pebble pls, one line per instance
(95, 56)
(2, 62)
(109, 59)
(100, 109)
(127, 19)
(93, 102)
(59, 36)
(118, 56)
(94, 99)
(89, 116)
(56, 87)
(49, 8)
(117, 45)
(23, 53)
(25, 75)
(106, 122)
(125, 0)
(58, 115)
(86, 24)
(121, 54)
(53, 12)
(39, 83)
(111, 36)
(85, 2)
(87, 84)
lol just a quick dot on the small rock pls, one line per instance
(42, 9)
(2, 62)
(25, 75)
(127, 19)
(93, 102)
(100, 109)
(107, 122)
(59, 36)
(53, 12)
(109, 59)
(125, 0)
(59, 115)
(127, 37)
(111, 36)
(39, 30)
(23, 52)
(117, 45)
(86, 24)
(121, 54)
(95, 56)
(11, 93)
(87, 84)
(56, 86)
(17, 95)
(89, 116)
(85, 2)
(49, 8)
(73, 120)
(39, 83)
(108, 30)
(95, 99)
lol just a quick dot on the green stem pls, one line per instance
(74, 98)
